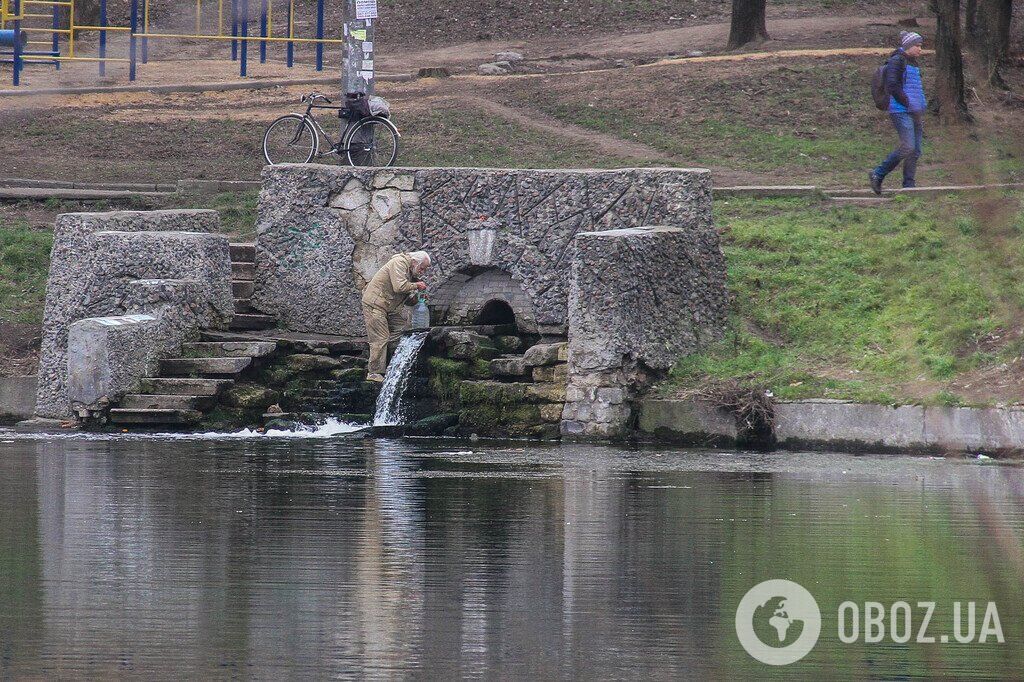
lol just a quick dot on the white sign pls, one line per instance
(366, 9)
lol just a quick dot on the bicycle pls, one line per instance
(369, 139)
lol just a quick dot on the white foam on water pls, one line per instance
(389, 402)
(331, 427)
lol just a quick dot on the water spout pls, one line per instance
(389, 402)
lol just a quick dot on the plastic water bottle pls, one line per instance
(420, 314)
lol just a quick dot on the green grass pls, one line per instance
(858, 303)
(24, 261)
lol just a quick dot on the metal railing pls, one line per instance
(64, 46)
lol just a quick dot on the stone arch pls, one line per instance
(474, 290)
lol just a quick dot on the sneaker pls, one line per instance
(375, 377)
(876, 183)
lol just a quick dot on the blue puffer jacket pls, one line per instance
(903, 83)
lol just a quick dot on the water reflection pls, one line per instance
(356, 557)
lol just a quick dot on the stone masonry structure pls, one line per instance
(170, 266)
(640, 299)
(323, 231)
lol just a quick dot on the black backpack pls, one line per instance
(879, 93)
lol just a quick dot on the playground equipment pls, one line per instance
(22, 17)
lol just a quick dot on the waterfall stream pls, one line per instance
(389, 402)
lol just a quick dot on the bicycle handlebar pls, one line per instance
(314, 96)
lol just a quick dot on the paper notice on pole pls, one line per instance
(366, 75)
(367, 46)
(359, 33)
(368, 65)
(366, 9)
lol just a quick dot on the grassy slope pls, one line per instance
(887, 305)
(807, 120)
(24, 260)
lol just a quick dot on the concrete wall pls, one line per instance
(846, 426)
(323, 231)
(96, 262)
(17, 398)
(640, 299)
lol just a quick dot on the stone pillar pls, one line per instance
(639, 299)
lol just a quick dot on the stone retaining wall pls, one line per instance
(96, 262)
(323, 231)
(640, 299)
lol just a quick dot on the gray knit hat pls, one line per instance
(908, 39)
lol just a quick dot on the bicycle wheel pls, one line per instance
(372, 143)
(289, 139)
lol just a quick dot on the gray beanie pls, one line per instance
(908, 39)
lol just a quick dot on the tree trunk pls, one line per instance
(971, 24)
(749, 22)
(993, 32)
(949, 101)
(1005, 21)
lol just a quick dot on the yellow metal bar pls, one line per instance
(81, 27)
(291, 19)
(44, 2)
(38, 16)
(46, 30)
(220, 17)
(145, 16)
(187, 36)
(199, 16)
(71, 29)
(270, 18)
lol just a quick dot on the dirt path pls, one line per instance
(624, 45)
(601, 142)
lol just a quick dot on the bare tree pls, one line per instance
(993, 24)
(971, 23)
(749, 22)
(949, 101)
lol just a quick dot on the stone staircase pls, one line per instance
(189, 386)
(243, 272)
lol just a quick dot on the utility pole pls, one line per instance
(360, 17)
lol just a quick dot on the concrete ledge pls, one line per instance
(766, 191)
(43, 193)
(693, 422)
(17, 398)
(847, 427)
(200, 87)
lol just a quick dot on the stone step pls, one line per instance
(203, 366)
(232, 349)
(253, 321)
(241, 288)
(243, 271)
(196, 387)
(120, 415)
(243, 306)
(145, 401)
(243, 253)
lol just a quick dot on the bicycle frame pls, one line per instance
(345, 141)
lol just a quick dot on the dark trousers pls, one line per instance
(910, 131)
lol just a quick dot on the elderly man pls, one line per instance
(393, 286)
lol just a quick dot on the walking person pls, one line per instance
(391, 288)
(907, 105)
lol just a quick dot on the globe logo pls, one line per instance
(778, 622)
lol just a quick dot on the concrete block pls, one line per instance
(17, 398)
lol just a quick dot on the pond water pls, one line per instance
(355, 557)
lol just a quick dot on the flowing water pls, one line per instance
(389, 402)
(352, 557)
